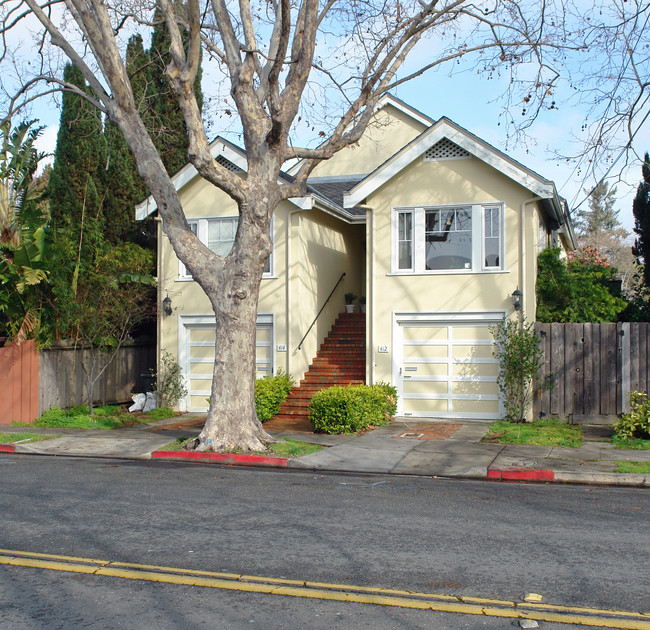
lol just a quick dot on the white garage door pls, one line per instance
(445, 367)
(196, 352)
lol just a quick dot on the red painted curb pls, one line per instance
(222, 458)
(520, 474)
(7, 448)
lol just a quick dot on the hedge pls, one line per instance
(353, 408)
(270, 393)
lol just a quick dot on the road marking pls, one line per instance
(333, 592)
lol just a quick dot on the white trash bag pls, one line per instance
(139, 401)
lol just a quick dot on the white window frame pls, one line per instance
(201, 231)
(419, 250)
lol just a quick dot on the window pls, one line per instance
(450, 238)
(219, 235)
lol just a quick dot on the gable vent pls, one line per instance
(446, 150)
(222, 161)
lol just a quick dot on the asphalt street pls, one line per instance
(575, 545)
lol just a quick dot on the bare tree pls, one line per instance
(266, 52)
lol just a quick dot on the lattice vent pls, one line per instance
(446, 150)
(228, 164)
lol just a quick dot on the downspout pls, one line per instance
(370, 294)
(159, 290)
(522, 252)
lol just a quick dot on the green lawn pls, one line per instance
(109, 417)
(25, 438)
(538, 433)
(633, 467)
(284, 448)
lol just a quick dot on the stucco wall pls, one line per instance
(322, 248)
(389, 131)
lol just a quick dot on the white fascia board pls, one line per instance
(444, 129)
(405, 108)
(304, 203)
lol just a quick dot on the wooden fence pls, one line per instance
(55, 377)
(594, 367)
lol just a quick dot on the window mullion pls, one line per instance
(477, 238)
(419, 252)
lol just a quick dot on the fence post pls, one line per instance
(624, 339)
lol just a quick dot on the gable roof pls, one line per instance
(447, 129)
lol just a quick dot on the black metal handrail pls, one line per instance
(321, 309)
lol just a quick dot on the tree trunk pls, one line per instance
(232, 420)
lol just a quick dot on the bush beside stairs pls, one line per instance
(341, 360)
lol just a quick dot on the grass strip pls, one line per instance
(537, 433)
(107, 417)
(284, 448)
(633, 467)
(25, 438)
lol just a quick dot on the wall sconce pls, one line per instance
(516, 298)
(167, 306)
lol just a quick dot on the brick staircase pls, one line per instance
(341, 360)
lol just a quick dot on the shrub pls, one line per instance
(520, 358)
(635, 424)
(270, 393)
(353, 408)
(170, 382)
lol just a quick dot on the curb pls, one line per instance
(7, 448)
(232, 459)
(520, 474)
(536, 475)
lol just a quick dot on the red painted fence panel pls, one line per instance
(19, 382)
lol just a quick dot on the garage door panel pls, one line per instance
(426, 369)
(198, 370)
(425, 387)
(472, 333)
(202, 352)
(474, 387)
(477, 407)
(473, 370)
(424, 352)
(471, 352)
(199, 401)
(424, 333)
(424, 407)
(204, 333)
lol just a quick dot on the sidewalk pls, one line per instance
(406, 447)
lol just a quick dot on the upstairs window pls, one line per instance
(448, 239)
(219, 235)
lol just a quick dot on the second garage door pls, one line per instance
(446, 368)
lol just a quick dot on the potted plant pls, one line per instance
(349, 302)
(362, 303)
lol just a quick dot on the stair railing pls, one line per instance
(321, 310)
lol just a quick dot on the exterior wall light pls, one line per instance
(516, 298)
(167, 306)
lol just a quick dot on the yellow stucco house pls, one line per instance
(433, 226)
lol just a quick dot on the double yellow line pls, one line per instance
(332, 592)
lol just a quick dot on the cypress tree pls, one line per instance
(75, 185)
(641, 210)
(169, 132)
(124, 185)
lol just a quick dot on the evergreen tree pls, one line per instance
(641, 210)
(169, 132)
(601, 216)
(76, 187)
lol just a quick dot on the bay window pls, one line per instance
(448, 239)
